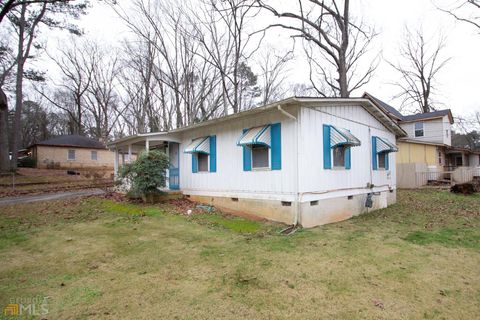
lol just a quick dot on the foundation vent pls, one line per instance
(286, 203)
(314, 203)
(235, 199)
(187, 196)
(350, 197)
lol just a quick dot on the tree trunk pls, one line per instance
(4, 159)
(17, 122)
(342, 78)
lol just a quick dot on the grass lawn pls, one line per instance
(96, 258)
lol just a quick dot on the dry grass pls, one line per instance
(96, 258)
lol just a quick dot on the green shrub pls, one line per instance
(147, 174)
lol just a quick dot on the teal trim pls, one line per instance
(174, 173)
(247, 156)
(348, 158)
(374, 153)
(276, 145)
(327, 154)
(194, 163)
(213, 153)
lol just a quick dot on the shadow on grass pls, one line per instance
(467, 238)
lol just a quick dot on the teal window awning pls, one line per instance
(199, 145)
(342, 137)
(257, 135)
(385, 146)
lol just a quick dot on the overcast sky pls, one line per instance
(460, 80)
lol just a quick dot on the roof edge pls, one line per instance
(364, 102)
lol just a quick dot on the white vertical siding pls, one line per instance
(230, 179)
(447, 138)
(314, 178)
(474, 160)
(433, 130)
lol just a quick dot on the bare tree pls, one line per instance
(328, 31)
(139, 86)
(465, 11)
(26, 18)
(420, 63)
(184, 82)
(76, 66)
(273, 77)
(102, 100)
(227, 44)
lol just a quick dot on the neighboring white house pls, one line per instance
(309, 161)
(426, 153)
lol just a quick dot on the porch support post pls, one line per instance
(147, 145)
(115, 164)
(129, 153)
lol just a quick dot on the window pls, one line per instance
(339, 156)
(381, 148)
(94, 155)
(202, 162)
(439, 157)
(71, 154)
(458, 161)
(419, 129)
(382, 161)
(260, 156)
(446, 133)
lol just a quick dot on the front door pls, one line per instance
(174, 170)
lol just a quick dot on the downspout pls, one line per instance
(296, 191)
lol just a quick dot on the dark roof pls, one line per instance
(72, 141)
(414, 117)
(429, 115)
(385, 106)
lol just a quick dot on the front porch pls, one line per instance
(127, 150)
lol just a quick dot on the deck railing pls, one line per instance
(459, 175)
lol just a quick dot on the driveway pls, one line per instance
(50, 196)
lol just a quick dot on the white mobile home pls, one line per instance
(309, 161)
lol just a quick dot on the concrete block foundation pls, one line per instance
(312, 213)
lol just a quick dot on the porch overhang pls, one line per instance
(139, 142)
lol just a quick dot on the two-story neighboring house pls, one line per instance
(427, 146)
(429, 138)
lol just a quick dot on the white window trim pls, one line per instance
(96, 155)
(198, 163)
(269, 161)
(415, 130)
(334, 167)
(74, 154)
(378, 162)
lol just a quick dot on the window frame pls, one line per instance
(198, 162)
(343, 166)
(382, 155)
(269, 159)
(92, 152)
(415, 130)
(74, 155)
